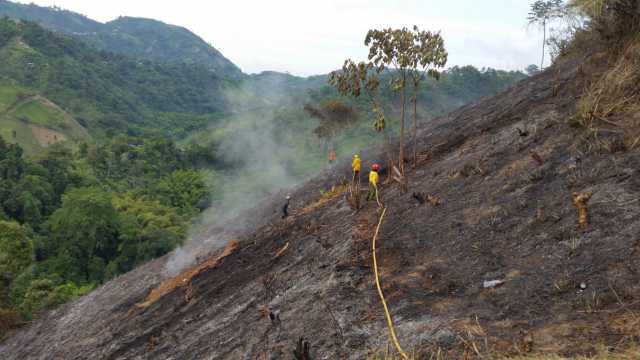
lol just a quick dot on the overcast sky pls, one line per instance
(314, 37)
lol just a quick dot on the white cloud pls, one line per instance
(310, 37)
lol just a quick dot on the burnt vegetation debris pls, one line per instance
(433, 260)
(568, 286)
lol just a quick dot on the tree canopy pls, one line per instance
(71, 220)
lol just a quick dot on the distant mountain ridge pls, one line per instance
(134, 37)
(105, 91)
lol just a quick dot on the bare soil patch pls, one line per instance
(47, 137)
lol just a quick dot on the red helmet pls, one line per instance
(375, 167)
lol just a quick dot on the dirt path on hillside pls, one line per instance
(47, 137)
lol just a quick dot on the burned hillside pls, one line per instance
(501, 264)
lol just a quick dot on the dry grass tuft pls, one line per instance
(9, 320)
(610, 107)
(324, 198)
(388, 354)
(580, 202)
(629, 354)
(184, 279)
(264, 312)
(281, 252)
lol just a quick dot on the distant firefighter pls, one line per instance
(285, 207)
(355, 166)
(332, 156)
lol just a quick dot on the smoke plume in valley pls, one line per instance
(259, 146)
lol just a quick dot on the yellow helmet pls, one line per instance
(356, 156)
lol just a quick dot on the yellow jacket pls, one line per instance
(373, 178)
(355, 165)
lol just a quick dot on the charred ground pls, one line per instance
(504, 169)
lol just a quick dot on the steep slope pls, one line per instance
(506, 214)
(134, 37)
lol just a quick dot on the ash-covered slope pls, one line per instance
(506, 214)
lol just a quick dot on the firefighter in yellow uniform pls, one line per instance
(355, 166)
(354, 189)
(373, 183)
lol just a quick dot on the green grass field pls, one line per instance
(35, 112)
(10, 95)
(23, 134)
(20, 110)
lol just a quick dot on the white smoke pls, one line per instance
(262, 163)
(179, 260)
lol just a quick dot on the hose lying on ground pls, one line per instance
(384, 303)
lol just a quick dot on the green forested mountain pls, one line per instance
(51, 18)
(105, 91)
(154, 40)
(134, 37)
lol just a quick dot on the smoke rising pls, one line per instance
(257, 144)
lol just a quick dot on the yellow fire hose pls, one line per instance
(384, 303)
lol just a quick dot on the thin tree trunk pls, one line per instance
(544, 40)
(403, 100)
(387, 142)
(415, 128)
